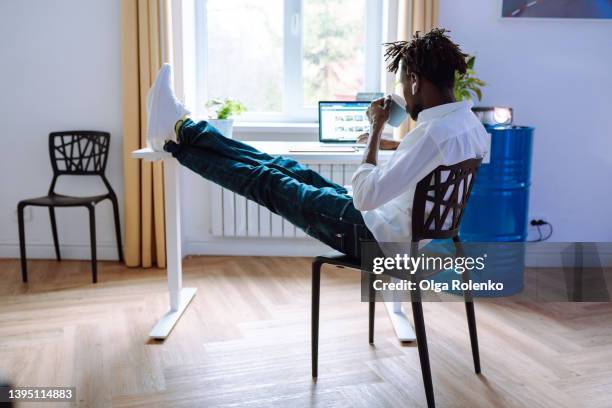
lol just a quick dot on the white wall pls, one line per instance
(60, 70)
(557, 75)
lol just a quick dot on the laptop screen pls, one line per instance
(342, 121)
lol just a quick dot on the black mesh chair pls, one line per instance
(75, 153)
(441, 194)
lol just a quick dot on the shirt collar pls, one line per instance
(442, 110)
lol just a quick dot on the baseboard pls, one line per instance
(105, 252)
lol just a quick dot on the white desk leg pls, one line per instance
(179, 296)
(401, 324)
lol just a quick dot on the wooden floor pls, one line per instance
(244, 342)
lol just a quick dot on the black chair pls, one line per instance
(75, 153)
(447, 189)
(5, 396)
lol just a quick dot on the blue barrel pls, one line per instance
(499, 203)
(498, 208)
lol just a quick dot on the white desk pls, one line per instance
(179, 296)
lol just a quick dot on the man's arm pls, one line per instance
(385, 144)
(374, 186)
(378, 114)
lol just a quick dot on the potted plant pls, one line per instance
(222, 112)
(467, 86)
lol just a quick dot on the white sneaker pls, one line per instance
(163, 110)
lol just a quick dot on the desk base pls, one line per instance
(401, 323)
(165, 325)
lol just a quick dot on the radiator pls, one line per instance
(235, 216)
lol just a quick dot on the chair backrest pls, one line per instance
(78, 153)
(441, 194)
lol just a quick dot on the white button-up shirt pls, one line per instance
(444, 135)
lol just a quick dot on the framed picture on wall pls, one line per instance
(582, 9)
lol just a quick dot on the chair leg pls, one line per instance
(469, 309)
(54, 232)
(471, 317)
(372, 309)
(22, 244)
(421, 337)
(92, 234)
(314, 340)
(117, 227)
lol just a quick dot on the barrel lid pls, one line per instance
(509, 127)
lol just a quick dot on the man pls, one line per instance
(447, 132)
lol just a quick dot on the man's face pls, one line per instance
(413, 102)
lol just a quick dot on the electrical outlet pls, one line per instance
(28, 215)
(536, 219)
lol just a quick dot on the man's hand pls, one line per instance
(385, 144)
(378, 112)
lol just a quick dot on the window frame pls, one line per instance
(293, 109)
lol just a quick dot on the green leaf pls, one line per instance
(470, 61)
(225, 109)
(467, 86)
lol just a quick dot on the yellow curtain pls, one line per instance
(145, 43)
(413, 16)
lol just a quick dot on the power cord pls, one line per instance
(538, 224)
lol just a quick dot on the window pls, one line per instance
(333, 57)
(280, 57)
(245, 52)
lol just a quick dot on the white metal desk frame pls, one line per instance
(179, 296)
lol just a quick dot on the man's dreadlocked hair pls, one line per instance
(433, 55)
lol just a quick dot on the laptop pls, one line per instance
(342, 122)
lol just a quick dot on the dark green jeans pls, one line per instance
(309, 201)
